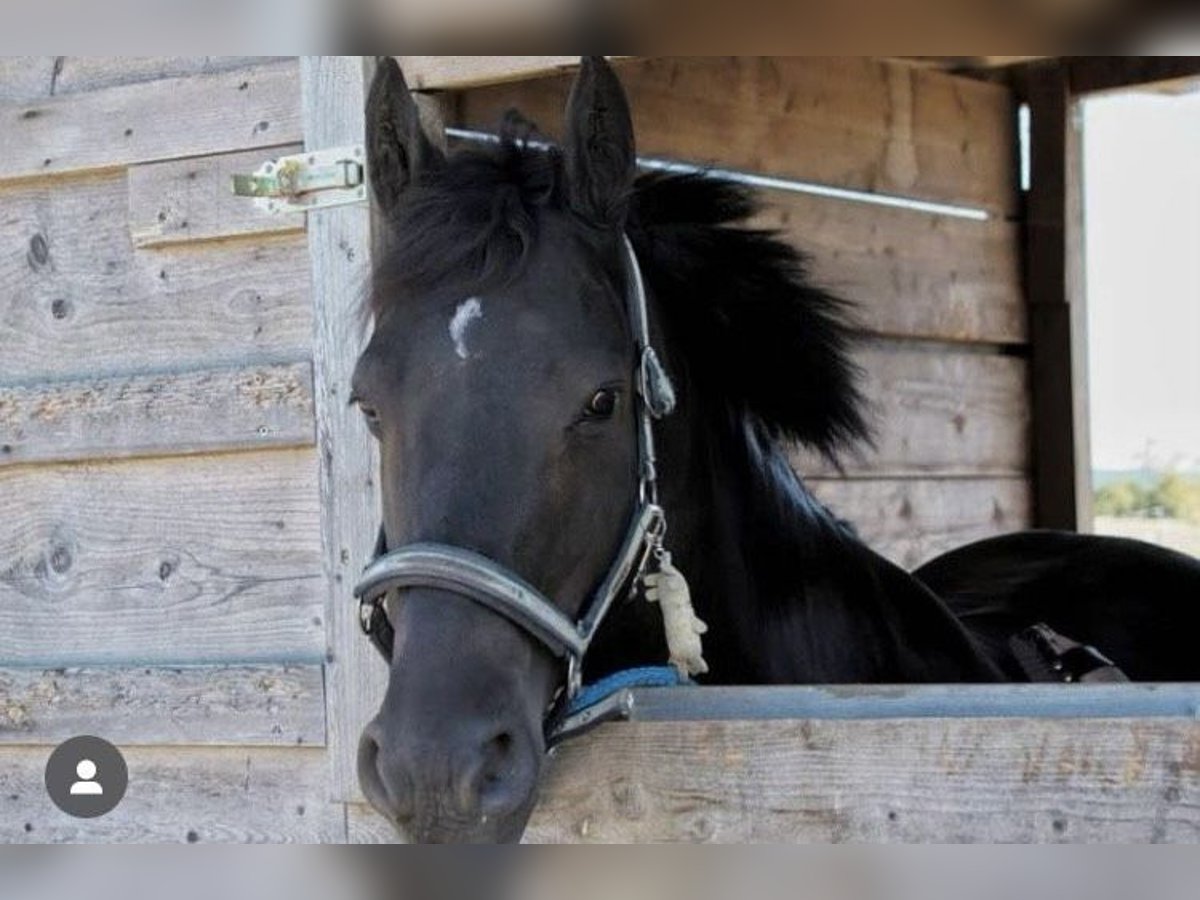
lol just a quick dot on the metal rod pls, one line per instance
(1067, 701)
(753, 179)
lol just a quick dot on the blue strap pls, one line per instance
(645, 676)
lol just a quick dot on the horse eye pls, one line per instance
(602, 405)
(371, 414)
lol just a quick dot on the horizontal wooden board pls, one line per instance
(191, 199)
(442, 72)
(910, 521)
(182, 795)
(191, 115)
(162, 561)
(938, 412)
(27, 78)
(903, 780)
(235, 705)
(171, 412)
(365, 826)
(910, 273)
(854, 122)
(77, 299)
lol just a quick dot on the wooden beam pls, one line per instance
(244, 705)
(942, 780)
(339, 242)
(1090, 74)
(920, 780)
(1053, 266)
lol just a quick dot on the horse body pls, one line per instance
(1138, 603)
(500, 385)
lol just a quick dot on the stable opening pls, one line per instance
(1141, 164)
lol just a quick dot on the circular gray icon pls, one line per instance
(86, 776)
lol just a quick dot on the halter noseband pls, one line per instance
(486, 582)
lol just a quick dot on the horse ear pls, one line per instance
(397, 146)
(598, 148)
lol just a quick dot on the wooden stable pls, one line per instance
(189, 497)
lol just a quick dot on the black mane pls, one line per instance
(752, 328)
(754, 336)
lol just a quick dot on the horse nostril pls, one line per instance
(502, 781)
(386, 794)
(497, 758)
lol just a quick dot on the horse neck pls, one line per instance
(789, 593)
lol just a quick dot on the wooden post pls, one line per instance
(1054, 289)
(339, 241)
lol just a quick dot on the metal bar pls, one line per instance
(770, 182)
(1035, 701)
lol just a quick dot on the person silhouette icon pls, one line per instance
(86, 777)
(87, 784)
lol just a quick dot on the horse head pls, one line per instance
(500, 384)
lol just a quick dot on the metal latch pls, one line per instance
(319, 178)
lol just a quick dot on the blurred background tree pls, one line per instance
(1165, 495)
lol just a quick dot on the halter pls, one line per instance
(488, 583)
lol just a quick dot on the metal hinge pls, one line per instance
(332, 177)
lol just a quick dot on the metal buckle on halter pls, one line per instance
(369, 612)
(366, 615)
(654, 384)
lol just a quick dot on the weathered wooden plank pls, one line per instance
(339, 241)
(27, 78)
(191, 200)
(167, 560)
(854, 122)
(939, 412)
(236, 705)
(912, 274)
(77, 299)
(171, 412)
(229, 795)
(365, 826)
(910, 521)
(899, 780)
(443, 72)
(255, 106)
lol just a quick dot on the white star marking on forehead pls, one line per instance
(468, 311)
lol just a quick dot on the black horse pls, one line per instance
(507, 384)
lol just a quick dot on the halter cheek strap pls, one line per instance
(488, 583)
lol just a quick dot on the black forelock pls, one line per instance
(754, 334)
(476, 217)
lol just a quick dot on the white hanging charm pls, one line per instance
(667, 587)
